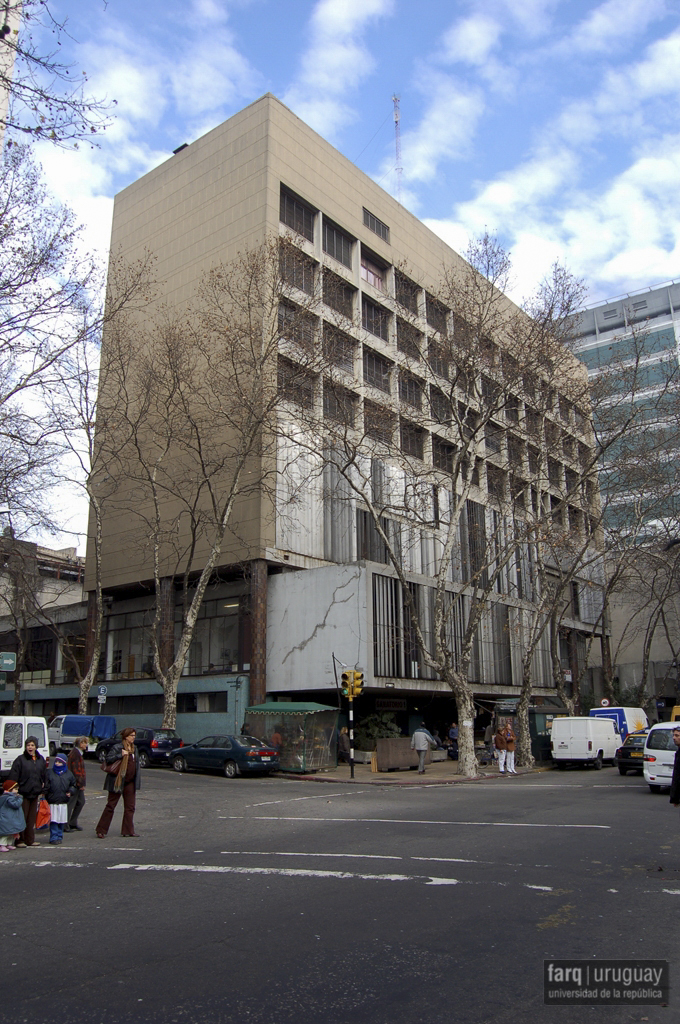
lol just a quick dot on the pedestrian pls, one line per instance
(29, 770)
(437, 739)
(453, 740)
(343, 745)
(500, 744)
(60, 784)
(675, 781)
(124, 781)
(12, 820)
(510, 740)
(421, 741)
(76, 765)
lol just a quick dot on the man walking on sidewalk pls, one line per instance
(421, 741)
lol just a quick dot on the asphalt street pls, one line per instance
(269, 900)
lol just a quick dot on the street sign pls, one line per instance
(8, 661)
(102, 691)
(101, 699)
(604, 703)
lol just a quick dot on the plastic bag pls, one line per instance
(43, 816)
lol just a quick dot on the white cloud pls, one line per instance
(611, 22)
(472, 39)
(334, 63)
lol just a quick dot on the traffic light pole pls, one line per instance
(351, 737)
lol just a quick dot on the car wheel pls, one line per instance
(654, 789)
(231, 769)
(622, 771)
(53, 749)
(144, 759)
(597, 763)
(102, 756)
(179, 764)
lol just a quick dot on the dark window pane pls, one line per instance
(412, 440)
(296, 214)
(378, 422)
(372, 222)
(411, 390)
(375, 319)
(295, 383)
(409, 339)
(440, 406)
(338, 294)
(406, 292)
(337, 244)
(435, 313)
(338, 404)
(443, 454)
(296, 269)
(338, 348)
(376, 370)
(296, 325)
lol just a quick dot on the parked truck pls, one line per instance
(584, 741)
(626, 719)
(63, 730)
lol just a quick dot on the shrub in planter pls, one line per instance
(378, 726)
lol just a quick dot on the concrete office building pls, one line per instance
(292, 589)
(610, 337)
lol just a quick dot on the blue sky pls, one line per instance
(554, 124)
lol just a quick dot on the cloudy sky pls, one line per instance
(554, 123)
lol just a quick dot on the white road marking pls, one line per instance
(407, 821)
(319, 796)
(453, 860)
(278, 853)
(289, 872)
(671, 892)
(542, 888)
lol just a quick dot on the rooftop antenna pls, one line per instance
(397, 143)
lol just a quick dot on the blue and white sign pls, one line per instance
(103, 691)
(8, 661)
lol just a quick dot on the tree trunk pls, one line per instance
(558, 674)
(467, 760)
(525, 758)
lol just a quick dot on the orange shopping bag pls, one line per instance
(43, 816)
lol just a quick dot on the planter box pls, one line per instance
(397, 753)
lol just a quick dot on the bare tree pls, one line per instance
(455, 486)
(41, 96)
(186, 427)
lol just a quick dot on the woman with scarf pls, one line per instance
(29, 770)
(124, 780)
(61, 783)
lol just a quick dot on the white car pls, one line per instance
(659, 755)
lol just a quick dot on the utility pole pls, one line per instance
(397, 143)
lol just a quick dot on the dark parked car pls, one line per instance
(630, 757)
(155, 746)
(232, 755)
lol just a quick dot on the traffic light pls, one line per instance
(348, 684)
(358, 683)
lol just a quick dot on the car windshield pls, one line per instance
(250, 741)
(165, 734)
(661, 739)
(635, 741)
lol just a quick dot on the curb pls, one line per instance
(431, 781)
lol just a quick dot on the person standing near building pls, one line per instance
(125, 782)
(510, 740)
(76, 765)
(421, 741)
(29, 770)
(501, 747)
(59, 786)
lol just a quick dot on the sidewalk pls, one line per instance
(440, 773)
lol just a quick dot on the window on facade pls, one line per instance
(440, 406)
(409, 339)
(370, 545)
(438, 358)
(515, 452)
(412, 440)
(534, 460)
(495, 481)
(435, 313)
(338, 404)
(296, 214)
(376, 370)
(584, 456)
(378, 422)
(372, 273)
(575, 520)
(410, 390)
(493, 435)
(296, 268)
(512, 409)
(338, 294)
(296, 325)
(532, 422)
(406, 292)
(375, 319)
(337, 243)
(554, 473)
(443, 454)
(376, 225)
(295, 384)
(338, 348)
(569, 447)
(565, 409)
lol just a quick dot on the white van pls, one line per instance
(584, 741)
(659, 755)
(14, 731)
